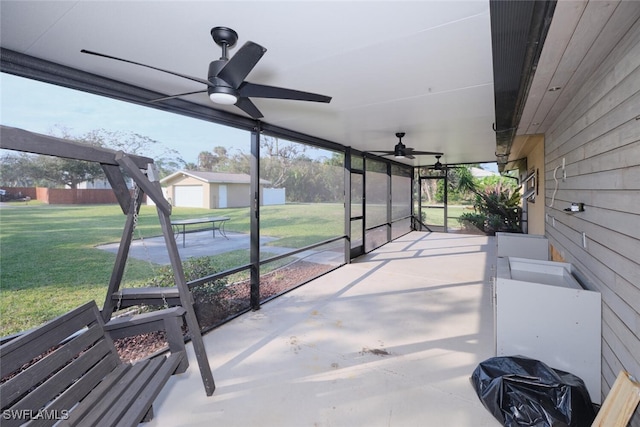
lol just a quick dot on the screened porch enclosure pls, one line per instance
(318, 179)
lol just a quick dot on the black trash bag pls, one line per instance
(519, 391)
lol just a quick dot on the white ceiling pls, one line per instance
(420, 67)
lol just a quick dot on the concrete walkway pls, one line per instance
(389, 340)
(197, 244)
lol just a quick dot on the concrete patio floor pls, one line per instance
(389, 340)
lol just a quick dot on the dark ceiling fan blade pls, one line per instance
(253, 90)
(184, 76)
(392, 153)
(177, 96)
(240, 65)
(249, 107)
(429, 153)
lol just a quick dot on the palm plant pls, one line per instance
(496, 207)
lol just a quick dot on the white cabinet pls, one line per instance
(542, 312)
(522, 245)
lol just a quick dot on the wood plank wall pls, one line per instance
(598, 136)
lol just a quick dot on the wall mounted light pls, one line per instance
(575, 207)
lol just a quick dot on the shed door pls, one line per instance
(222, 193)
(188, 196)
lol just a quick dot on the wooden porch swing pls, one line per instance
(143, 172)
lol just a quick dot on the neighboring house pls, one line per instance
(210, 190)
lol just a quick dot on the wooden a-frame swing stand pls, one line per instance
(143, 172)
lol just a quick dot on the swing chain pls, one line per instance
(136, 194)
(135, 225)
(119, 301)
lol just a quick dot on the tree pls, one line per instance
(207, 161)
(429, 188)
(278, 159)
(221, 160)
(58, 172)
(12, 171)
(64, 172)
(166, 167)
(167, 160)
(497, 204)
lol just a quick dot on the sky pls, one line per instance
(41, 108)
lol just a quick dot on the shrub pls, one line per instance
(194, 268)
(473, 221)
(497, 208)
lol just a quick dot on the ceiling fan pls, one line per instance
(225, 80)
(401, 151)
(437, 165)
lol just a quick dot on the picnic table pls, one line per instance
(182, 223)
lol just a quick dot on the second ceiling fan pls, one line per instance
(401, 151)
(225, 79)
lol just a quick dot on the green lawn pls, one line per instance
(435, 216)
(49, 263)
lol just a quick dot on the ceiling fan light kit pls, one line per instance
(223, 98)
(222, 95)
(225, 79)
(400, 148)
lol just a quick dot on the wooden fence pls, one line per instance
(63, 196)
